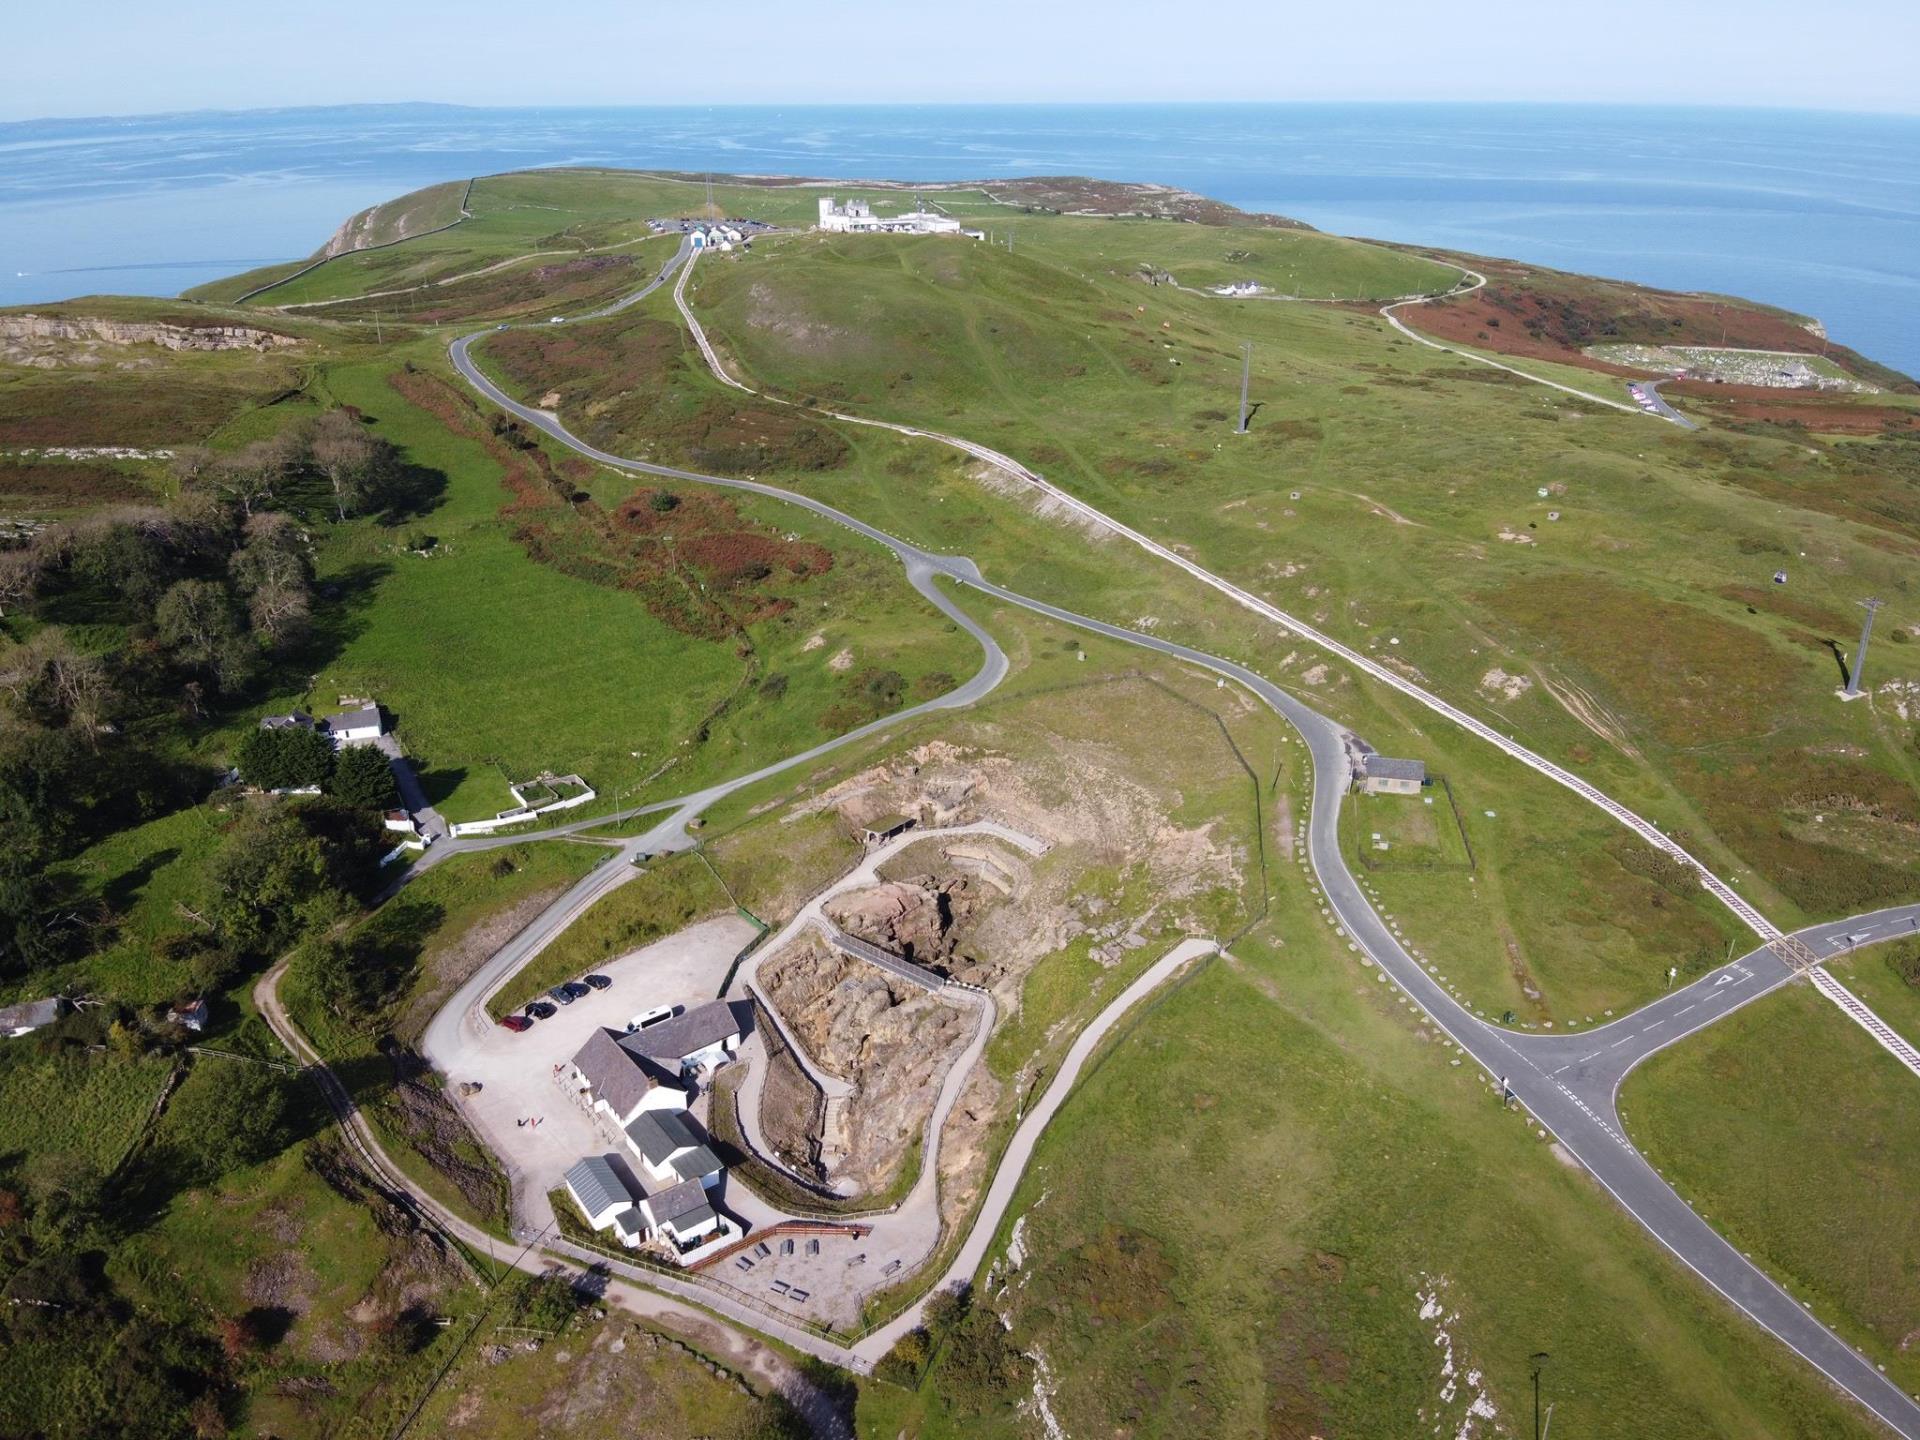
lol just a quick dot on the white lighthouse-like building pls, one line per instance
(856, 217)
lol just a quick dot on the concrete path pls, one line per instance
(673, 1305)
(1586, 1130)
(1013, 1164)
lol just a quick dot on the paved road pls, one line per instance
(964, 569)
(1646, 394)
(1850, 1005)
(1569, 1090)
(686, 1311)
(1583, 1120)
(1478, 359)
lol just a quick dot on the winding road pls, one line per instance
(1567, 1082)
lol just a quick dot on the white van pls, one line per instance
(647, 1018)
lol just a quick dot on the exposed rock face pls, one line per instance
(918, 918)
(892, 1041)
(46, 340)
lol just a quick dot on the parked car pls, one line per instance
(540, 1010)
(598, 982)
(516, 1023)
(568, 993)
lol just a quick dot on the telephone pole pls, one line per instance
(1860, 655)
(1246, 374)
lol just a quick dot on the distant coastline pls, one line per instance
(1817, 212)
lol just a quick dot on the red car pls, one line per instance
(516, 1023)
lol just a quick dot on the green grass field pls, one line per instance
(325, 1272)
(596, 1375)
(1254, 1258)
(90, 1106)
(558, 673)
(1446, 546)
(1796, 1135)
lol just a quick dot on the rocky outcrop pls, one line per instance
(918, 918)
(892, 1041)
(70, 339)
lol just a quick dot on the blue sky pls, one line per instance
(100, 57)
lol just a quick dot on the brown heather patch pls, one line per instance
(696, 564)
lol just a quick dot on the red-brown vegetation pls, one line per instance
(694, 561)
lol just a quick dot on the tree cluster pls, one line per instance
(292, 757)
(133, 620)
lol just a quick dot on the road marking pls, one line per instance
(1682, 1012)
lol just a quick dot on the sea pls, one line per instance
(1815, 211)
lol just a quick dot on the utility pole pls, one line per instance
(1860, 655)
(1537, 1362)
(1246, 374)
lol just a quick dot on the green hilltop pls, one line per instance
(1238, 1220)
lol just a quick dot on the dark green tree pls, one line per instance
(286, 758)
(198, 622)
(284, 872)
(362, 777)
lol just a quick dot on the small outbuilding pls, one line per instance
(357, 725)
(681, 1215)
(1380, 775)
(31, 1015)
(885, 828)
(292, 720)
(192, 1017)
(671, 1149)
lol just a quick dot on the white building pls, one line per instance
(31, 1015)
(681, 1215)
(604, 1199)
(621, 1083)
(703, 1038)
(1379, 775)
(670, 1150)
(856, 217)
(357, 726)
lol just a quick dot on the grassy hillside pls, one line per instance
(1278, 1185)
(1273, 1197)
(1795, 1133)
(1392, 494)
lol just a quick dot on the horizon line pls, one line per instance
(1698, 107)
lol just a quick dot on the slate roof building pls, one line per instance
(604, 1199)
(622, 1084)
(704, 1037)
(1380, 775)
(357, 725)
(681, 1215)
(671, 1148)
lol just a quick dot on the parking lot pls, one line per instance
(522, 1112)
